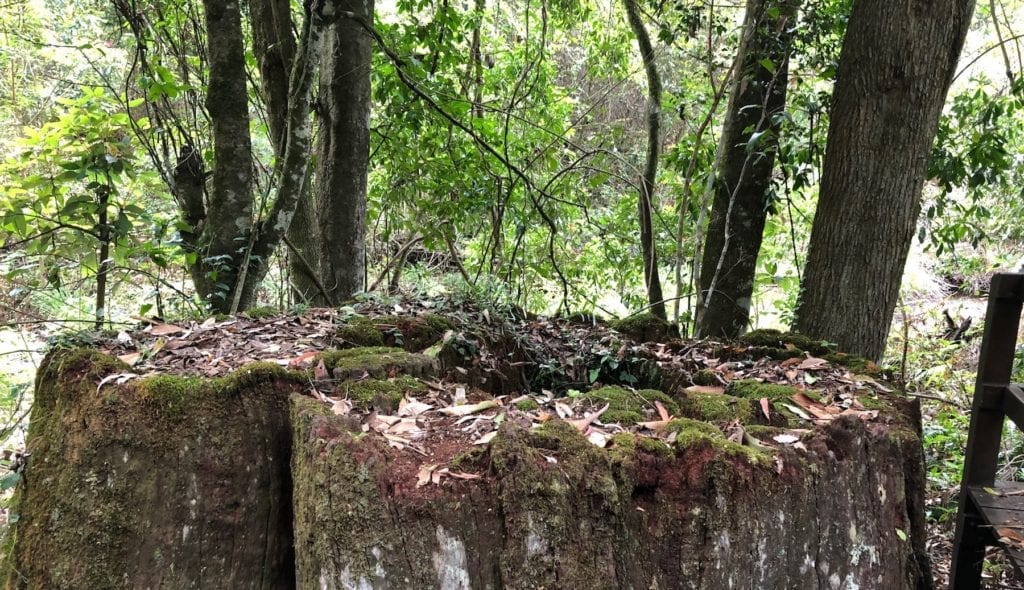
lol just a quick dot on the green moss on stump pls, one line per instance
(629, 407)
(687, 425)
(853, 362)
(705, 377)
(360, 331)
(109, 453)
(769, 338)
(258, 313)
(645, 327)
(376, 362)
(413, 333)
(383, 395)
(717, 407)
(626, 446)
(527, 405)
(756, 390)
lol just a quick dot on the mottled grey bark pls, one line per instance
(228, 217)
(274, 48)
(648, 244)
(744, 169)
(343, 151)
(231, 253)
(898, 59)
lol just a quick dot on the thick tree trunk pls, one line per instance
(896, 65)
(648, 181)
(744, 170)
(230, 255)
(344, 151)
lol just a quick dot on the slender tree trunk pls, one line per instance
(228, 220)
(898, 59)
(274, 48)
(343, 151)
(103, 268)
(648, 244)
(744, 169)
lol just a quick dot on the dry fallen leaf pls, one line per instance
(1009, 536)
(813, 364)
(486, 438)
(705, 389)
(734, 432)
(424, 474)
(785, 439)
(584, 424)
(469, 408)
(410, 406)
(341, 407)
(165, 329)
(117, 378)
(866, 415)
(815, 408)
(407, 427)
(396, 441)
(662, 411)
(304, 359)
(765, 408)
(320, 372)
(655, 425)
(131, 358)
(797, 411)
(598, 438)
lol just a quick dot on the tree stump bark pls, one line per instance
(553, 511)
(184, 482)
(163, 483)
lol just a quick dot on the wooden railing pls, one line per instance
(991, 512)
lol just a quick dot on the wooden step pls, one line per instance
(1001, 507)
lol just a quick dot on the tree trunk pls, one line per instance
(228, 255)
(228, 219)
(648, 181)
(274, 48)
(898, 59)
(744, 171)
(344, 151)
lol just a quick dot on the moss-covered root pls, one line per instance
(377, 362)
(158, 483)
(646, 327)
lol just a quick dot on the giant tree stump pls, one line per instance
(248, 481)
(553, 511)
(162, 483)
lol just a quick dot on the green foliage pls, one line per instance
(974, 167)
(74, 186)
